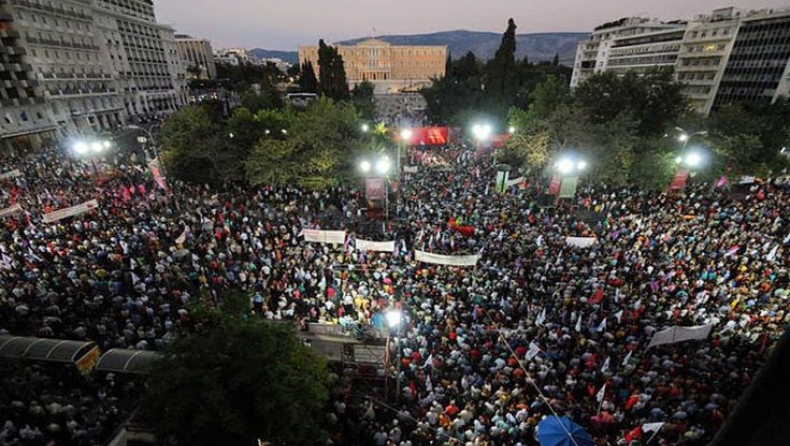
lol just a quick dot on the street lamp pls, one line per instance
(511, 130)
(405, 135)
(685, 136)
(692, 159)
(365, 166)
(80, 148)
(383, 166)
(365, 128)
(481, 132)
(394, 319)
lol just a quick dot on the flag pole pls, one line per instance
(652, 436)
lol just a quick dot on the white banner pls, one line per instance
(514, 182)
(438, 259)
(60, 214)
(12, 174)
(580, 242)
(675, 334)
(319, 236)
(409, 169)
(367, 245)
(10, 210)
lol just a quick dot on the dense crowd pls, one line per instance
(577, 319)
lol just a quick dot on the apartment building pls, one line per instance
(197, 55)
(81, 66)
(728, 56)
(390, 68)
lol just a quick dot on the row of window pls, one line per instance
(646, 49)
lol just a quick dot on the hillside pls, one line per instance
(538, 47)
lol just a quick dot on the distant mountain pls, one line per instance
(285, 56)
(538, 47)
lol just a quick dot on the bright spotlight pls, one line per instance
(365, 128)
(383, 165)
(481, 131)
(406, 134)
(511, 130)
(80, 148)
(365, 166)
(107, 144)
(693, 159)
(393, 318)
(683, 137)
(565, 166)
(96, 146)
(678, 160)
(581, 165)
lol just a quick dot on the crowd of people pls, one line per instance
(537, 327)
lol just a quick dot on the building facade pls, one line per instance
(197, 55)
(728, 56)
(80, 66)
(390, 68)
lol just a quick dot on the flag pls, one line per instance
(33, 255)
(722, 181)
(634, 434)
(533, 351)
(619, 316)
(772, 255)
(652, 427)
(601, 326)
(627, 358)
(428, 361)
(579, 324)
(132, 264)
(135, 279)
(617, 296)
(600, 394)
(8, 262)
(605, 367)
(541, 318)
(182, 238)
(429, 384)
(637, 305)
(732, 251)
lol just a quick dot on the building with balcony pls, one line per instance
(80, 66)
(197, 55)
(728, 56)
(390, 68)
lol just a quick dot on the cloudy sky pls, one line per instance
(285, 24)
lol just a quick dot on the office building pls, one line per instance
(728, 56)
(197, 55)
(75, 67)
(391, 68)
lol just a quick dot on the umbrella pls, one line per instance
(554, 431)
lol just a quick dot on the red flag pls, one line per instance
(634, 434)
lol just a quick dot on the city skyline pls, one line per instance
(251, 24)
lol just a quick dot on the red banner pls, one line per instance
(498, 141)
(679, 182)
(554, 186)
(428, 136)
(156, 171)
(374, 189)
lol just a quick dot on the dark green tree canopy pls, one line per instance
(332, 81)
(233, 380)
(307, 80)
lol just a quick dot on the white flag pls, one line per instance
(600, 394)
(579, 324)
(541, 318)
(132, 264)
(428, 361)
(601, 326)
(605, 367)
(429, 384)
(182, 238)
(637, 304)
(772, 255)
(533, 351)
(8, 262)
(619, 316)
(654, 427)
(617, 295)
(135, 279)
(627, 358)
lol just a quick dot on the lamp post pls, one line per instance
(382, 167)
(394, 320)
(569, 167)
(90, 149)
(405, 135)
(685, 136)
(481, 133)
(144, 139)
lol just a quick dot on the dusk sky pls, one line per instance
(285, 24)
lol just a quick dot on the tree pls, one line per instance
(362, 98)
(547, 96)
(308, 81)
(332, 81)
(233, 380)
(502, 78)
(529, 151)
(272, 163)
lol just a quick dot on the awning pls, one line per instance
(118, 360)
(52, 350)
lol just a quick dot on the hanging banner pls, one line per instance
(568, 187)
(87, 362)
(156, 172)
(554, 185)
(12, 174)
(375, 189)
(319, 236)
(580, 242)
(10, 210)
(60, 214)
(367, 245)
(426, 136)
(410, 169)
(675, 334)
(515, 181)
(501, 180)
(437, 259)
(679, 182)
